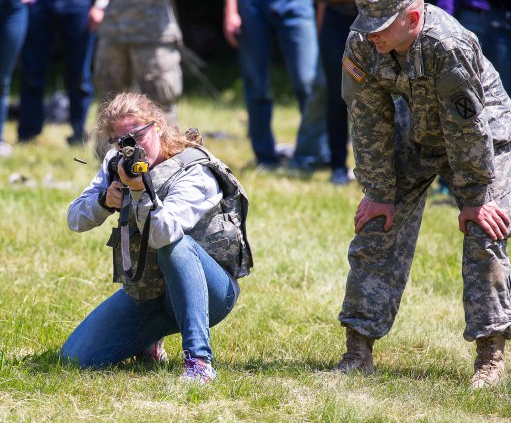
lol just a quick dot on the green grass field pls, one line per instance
(274, 352)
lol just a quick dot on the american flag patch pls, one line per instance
(353, 69)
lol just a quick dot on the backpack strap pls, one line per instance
(191, 156)
(144, 243)
(170, 169)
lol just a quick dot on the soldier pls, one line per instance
(456, 123)
(197, 247)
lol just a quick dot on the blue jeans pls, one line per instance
(292, 23)
(493, 29)
(46, 18)
(13, 27)
(312, 149)
(199, 294)
(332, 39)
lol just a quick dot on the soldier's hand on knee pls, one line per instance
(489, 216)
(368, 209)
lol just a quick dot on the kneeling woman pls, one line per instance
(183, 289)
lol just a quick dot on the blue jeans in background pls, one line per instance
(292, 24)
(199, 294)
(332, 39)
(312, 149)
(13, 27)
(70, 21)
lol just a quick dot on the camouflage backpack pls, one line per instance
(224, 234)
(221, 231)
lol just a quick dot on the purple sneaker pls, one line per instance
(154, 353)
(197, 370)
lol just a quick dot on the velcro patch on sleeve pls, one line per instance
(352, 69)
(464, 106)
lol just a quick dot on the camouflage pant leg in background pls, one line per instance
(112, 67)
(112, 74)
(154, 69)
(157, 72)
(486, 268)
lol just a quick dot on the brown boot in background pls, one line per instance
(359, 354)
(489, 364)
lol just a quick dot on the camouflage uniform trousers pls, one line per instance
(380, 261)
(152, 68)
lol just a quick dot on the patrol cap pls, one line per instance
(376, 15)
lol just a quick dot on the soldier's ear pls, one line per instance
(415, 18)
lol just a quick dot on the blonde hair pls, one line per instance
(140, 105)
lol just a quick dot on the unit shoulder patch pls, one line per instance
(353, 70)
(464, 105)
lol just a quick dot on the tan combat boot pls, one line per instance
(489, 364)
(359, 354)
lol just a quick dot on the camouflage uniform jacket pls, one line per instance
(141, 21)
(455, 96)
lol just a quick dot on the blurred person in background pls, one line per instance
(337, 19)
(327, 143)
(70, 21)
(138, 48)
(252, 26)
(13, 28)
